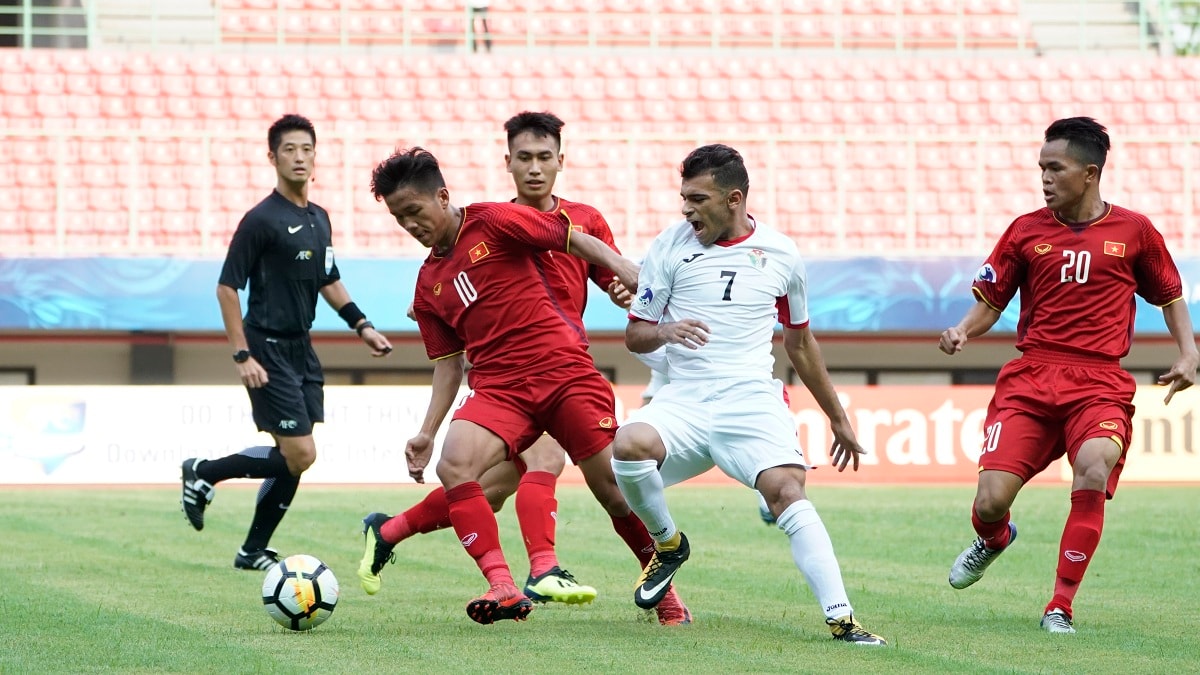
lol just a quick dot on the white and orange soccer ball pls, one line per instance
(300, 592)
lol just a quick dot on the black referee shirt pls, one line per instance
(286, 253)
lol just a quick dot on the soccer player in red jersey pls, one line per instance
(482, 295)
(1077, 263)
(534, 159)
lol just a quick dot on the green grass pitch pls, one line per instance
(114, 580)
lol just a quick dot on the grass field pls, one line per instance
(115, 580)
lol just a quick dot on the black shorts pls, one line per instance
(294, 396)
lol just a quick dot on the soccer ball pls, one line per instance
(300, 592)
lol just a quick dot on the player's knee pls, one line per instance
(551, 460)
(635, 442)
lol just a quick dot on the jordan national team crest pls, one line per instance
(758, 258)
(1114, 248)
(479, 252)
(1042, 249)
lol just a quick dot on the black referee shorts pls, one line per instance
(294, 396)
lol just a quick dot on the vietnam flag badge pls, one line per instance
(1114, 248)
(480, 251)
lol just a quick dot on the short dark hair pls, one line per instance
(540, 124)
(723, 162)
(1087, 139)
(289, 122)
(414, 167)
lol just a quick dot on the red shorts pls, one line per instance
(575, 405)
(1047, 405)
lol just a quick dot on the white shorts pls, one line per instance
(743, 427)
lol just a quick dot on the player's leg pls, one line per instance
(1096, 466)
(487, 429)
(537, 507)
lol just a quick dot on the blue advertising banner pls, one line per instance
(872, 295)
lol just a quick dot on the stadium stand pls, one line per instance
(162, 152)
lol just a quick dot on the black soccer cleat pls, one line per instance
(656, 578)
(256, 560)
(197, 493)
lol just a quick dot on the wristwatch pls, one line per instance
(241, 356)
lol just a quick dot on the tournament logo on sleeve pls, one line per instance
(644, 300)
(986, 273)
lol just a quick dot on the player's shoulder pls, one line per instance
(1122, 214)
(579, 210)
(765, 235)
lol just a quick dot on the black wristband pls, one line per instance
(351, 314)
(363, 326)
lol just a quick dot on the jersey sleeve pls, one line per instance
(250, 239)
(793, 307)
(332, 273)
(654, 284)
(997, 281)
(440, 339)
(1157, 277)
(525, 224)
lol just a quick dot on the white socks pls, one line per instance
(642, 485)
(813, 552)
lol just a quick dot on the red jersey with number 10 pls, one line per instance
(1077, 280)
(487, 296)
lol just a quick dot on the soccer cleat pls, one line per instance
(502, 601)
(1057, 621)
(197, 493)
(256, 560)
(846, 629)
(377, 554)
(557, 585)
(656, 578)
(671, 610)
(973, 562)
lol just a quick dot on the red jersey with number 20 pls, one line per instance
(487, 296)
(1077, 280)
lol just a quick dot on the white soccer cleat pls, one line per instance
(973, 562)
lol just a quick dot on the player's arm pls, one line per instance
(596, 252)
(977, 321)
(1183, 373)
(805, 355)
(338, 298)
(447, 378)
(250, 371)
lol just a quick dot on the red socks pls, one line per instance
(636, 537)
(1081, 537)
(995, 535)
(537, 515)
(475, 525)
(428, 515)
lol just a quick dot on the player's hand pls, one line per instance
(1181, 376)
(952, 340)
(845, 448)
(690, 333)
(417, 452)
(252, 373)
(627, 273)
(619, 294)
(377, 342)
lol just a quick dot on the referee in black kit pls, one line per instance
(283, 248)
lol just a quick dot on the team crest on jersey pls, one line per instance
(1110, 426)
(758, 258)
(986, 273)
(479, 252)
(1042, 248)
(645, 298)
(437, 288)
(1114, 248)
